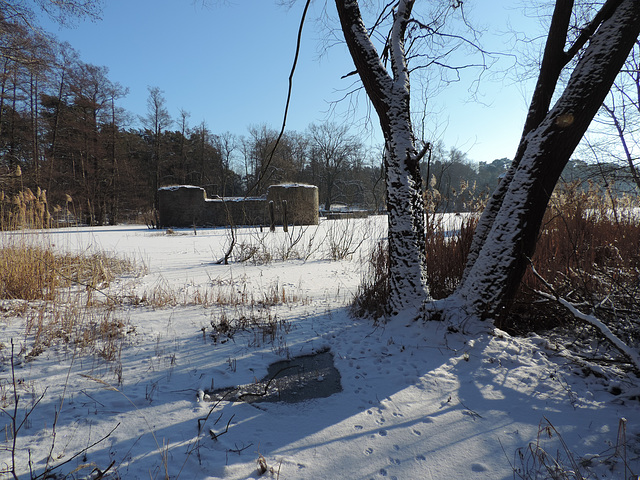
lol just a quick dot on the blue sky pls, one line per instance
(228, 64)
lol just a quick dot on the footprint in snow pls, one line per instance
(421, 458)
(368, 451)
(478, 467)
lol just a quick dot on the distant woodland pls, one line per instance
(65, 140)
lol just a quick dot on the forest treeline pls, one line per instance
(65, 140)
(63, 132)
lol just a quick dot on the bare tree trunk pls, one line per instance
(13, 141)
(5, 77)
(56, 126)
(553, 60)
(390, 95)
(113, 181)
(508, 235)
(33, 103)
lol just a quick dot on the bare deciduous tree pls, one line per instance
(333, 150)
(623, 111)
(505, 237)
(62, 11)
(156, 121)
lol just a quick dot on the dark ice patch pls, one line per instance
(291, 381)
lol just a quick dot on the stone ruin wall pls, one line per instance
(184, 206)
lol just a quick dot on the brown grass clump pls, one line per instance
(26, 273)
(371, 298)
(446, 256)
(585, 244)
(24, 209)
(589, 251)
(59, 293)
(33, 272)
(100, 331)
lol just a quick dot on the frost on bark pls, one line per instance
(389, 93)
(506, 236)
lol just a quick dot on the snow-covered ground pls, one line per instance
(419, 400)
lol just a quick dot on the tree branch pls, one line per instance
(373, 75)
(625, 349)
(586, 33)
(289, 91)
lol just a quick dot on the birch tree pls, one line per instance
(505, 237)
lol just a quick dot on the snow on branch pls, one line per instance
(625, 349)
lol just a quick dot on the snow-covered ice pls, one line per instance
(418, 400)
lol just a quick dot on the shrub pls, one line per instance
(372, 295)
(588, 249)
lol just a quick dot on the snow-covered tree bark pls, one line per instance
(389, 93)
(506, 236)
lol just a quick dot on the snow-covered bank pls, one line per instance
(418, 401)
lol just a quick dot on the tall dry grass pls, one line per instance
(69, 299)
(586, 242)
(26, 273)
(588, 249)
(25, 209)
(55, 293)
(29, 271)
(446, 255)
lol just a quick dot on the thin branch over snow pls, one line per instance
(626, 350)
(629, 352)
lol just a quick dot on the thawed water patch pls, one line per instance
(290, 381)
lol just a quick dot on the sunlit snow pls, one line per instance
(418, 400)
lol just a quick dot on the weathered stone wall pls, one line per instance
(180, 206)
(186, 206)
(302, 203)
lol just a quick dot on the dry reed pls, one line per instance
(588, 249)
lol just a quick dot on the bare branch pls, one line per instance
(603, 14)
(289, 92)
